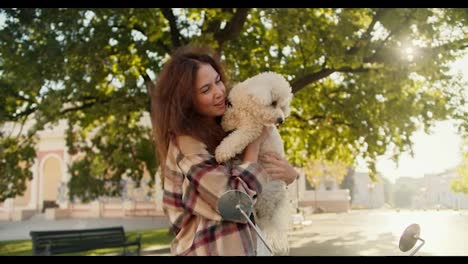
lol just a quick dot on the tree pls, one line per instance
(363, 79)
(348, 183)
(16, 153)
(318, 171)
(388, 191)
(460, 183)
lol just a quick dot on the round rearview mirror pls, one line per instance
(229, 204)
(409, 237)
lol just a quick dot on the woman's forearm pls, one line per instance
(251, 152)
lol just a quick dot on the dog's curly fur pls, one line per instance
(262, 100)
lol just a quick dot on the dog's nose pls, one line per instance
(280, 120)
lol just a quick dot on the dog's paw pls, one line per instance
(222, 156)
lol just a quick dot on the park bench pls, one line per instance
(71, 241)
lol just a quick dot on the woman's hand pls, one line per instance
(280, 169)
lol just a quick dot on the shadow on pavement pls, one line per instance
(350, 244)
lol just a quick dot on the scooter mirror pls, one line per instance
(229, 204)
(236, 206)
(409, 237)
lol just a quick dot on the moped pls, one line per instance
(237, 206)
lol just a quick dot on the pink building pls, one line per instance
(46, 193)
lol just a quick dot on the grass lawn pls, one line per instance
(149, 238)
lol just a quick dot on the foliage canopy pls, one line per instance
(364, 80)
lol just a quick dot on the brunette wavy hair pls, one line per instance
(172, 104)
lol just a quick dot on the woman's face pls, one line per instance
(209, 92)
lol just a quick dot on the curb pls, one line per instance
(157, 251)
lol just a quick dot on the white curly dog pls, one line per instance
(262, 100)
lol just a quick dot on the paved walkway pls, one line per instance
(356, 233)
(378, 232)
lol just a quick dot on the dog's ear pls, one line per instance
(287, 108)
(259, 93)
(237, 94)
(286, 111)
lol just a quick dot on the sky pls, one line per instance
(433, 153)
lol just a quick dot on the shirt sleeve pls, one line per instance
(207, 180)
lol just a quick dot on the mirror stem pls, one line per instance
(420, 246)
(256, 230)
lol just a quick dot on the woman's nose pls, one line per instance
(219, 91)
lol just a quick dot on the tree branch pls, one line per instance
(332, 98)
(298, 117)
(91, 102)
(10, 91)
(149, 83)
(366, 36)
(303, 81)
(151, 88)
(233, 27)
(21, 128)
(29, 100)
(374, 57)
(349, 69)
(212, 25)
(380, 12)
(300, 83)
(27, 112)
(175, 33)
(305, 60)
(322, 118)
(81, 107)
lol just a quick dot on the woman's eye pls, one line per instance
(274, 103)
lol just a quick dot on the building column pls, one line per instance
(33, 202)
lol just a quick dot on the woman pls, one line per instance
(189, 100)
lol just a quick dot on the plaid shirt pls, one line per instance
(193, 183)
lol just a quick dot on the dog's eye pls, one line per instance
(274, 103)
